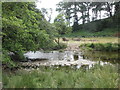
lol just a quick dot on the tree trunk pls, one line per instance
(57, 41)
(96, 15)
(83, 19)
(75, 14)
(117, 8)
(75, 25)
(88, 16)
(100, 14)
(93, 16)
(109, 9)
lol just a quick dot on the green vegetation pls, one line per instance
(95, 27)
(83, 33)
(25, 29)
(91, 22)
(61, 27)
(20, 33)
(97, 77)
(99, 28)
(102, 25)
(101, 46)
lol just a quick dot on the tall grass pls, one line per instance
(97, 77)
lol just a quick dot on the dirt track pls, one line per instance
(73, 46)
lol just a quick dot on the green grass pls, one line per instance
(84, 33)
(97, 77)
(101, 46)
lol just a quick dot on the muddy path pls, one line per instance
(73, 46)
(74, 43)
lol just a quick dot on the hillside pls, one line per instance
(104, 27)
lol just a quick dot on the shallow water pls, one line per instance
(68, 58)
(111, 57)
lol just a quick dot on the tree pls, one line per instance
(23, 29)
(70, 9)
(47, 13)
(117, 8)
(109, 7)
(97, 7)
(65, 8)
(88, 7)
(83, 9)
(62, 27)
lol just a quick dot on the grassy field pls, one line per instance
(91, 40)
(96, 77)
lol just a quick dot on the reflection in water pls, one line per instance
(66, 58)
(111, 57)
(76, 57)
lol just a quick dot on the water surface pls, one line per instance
(69, 58)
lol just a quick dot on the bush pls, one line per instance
(6, 59)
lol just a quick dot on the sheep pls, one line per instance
(65, 39)
(76, 39)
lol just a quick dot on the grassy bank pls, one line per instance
(101, 46)
(97, 77)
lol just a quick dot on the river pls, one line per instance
(71, 58)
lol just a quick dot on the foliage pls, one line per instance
(61, 25)
(97, 77)
(80, 12)
(6, 58)
(24, 29)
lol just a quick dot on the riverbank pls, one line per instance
(63, 75)
(74, 46)
(74, 43)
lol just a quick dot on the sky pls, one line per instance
(52, 4)
(49, 4)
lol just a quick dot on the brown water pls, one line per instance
(70, 58)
